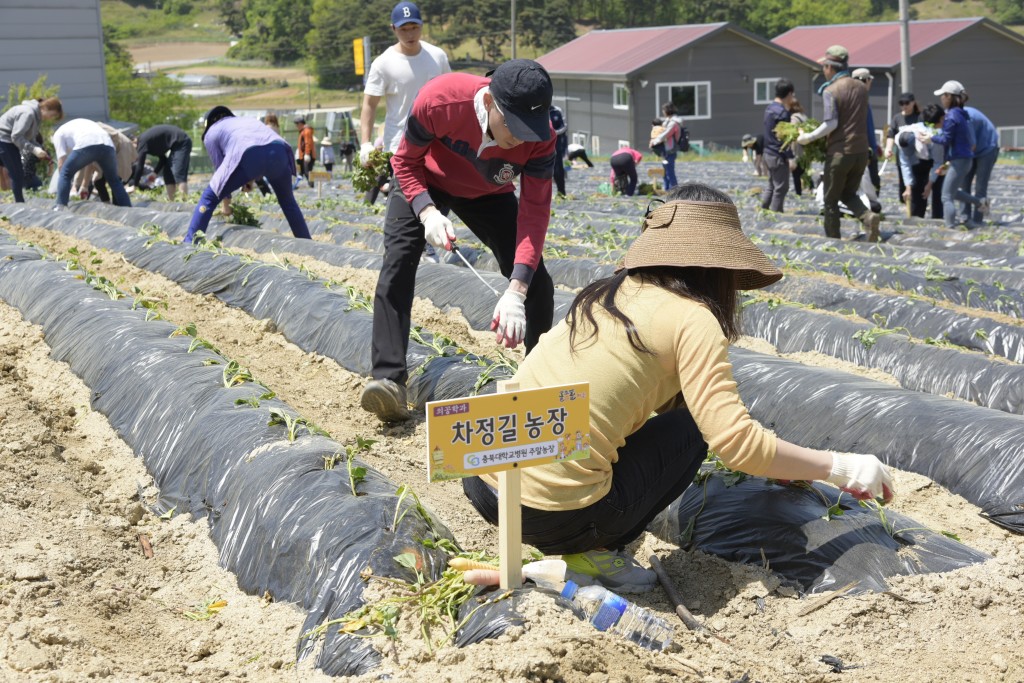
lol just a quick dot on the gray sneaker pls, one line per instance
(386, 399)
(871, 222)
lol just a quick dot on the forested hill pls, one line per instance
(321, 31)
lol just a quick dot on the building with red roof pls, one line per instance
(985, 56)
(612, 84)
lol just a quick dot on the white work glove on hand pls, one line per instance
(805, 139)
(307, 158)
(41, 154)
(861, 475)
(438, 230)
(364, 153)
(510, 319)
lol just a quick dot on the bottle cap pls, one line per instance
(570, 589)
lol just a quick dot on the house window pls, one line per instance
(692, 100)
(764, 90)
(620, 96)
(623, 143)
(595, 145)
(580, 139)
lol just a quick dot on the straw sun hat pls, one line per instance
(704, 234)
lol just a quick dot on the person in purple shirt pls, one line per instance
(242, 149)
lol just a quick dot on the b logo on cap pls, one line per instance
(406, 13)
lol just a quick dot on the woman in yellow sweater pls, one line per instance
(654, 338)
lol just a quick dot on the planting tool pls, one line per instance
(684, 614)
(456, 251)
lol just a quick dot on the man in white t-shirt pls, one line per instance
(81, 142)
(397, 75)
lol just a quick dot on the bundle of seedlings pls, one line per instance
(788, 132)
(367, 177)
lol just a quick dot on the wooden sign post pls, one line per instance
(320, 177)
(501, 434)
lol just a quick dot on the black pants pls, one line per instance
(624, 167)
(798, 180)
(493, 219)
(580, 154)
(876, 180)
(655, 466)
(918, 202)
(558, 173)
(10, 157)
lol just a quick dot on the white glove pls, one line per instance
(364, 153)
(40, 153)
(863, 476)
(510, 319)
(438, 230)
(307, 158)
(805, 139)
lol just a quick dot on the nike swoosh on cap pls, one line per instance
(536, 106)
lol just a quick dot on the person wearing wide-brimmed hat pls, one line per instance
(660, 347)
(845, 127)
(241, 149)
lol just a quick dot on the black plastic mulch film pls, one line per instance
(161, 431)
(994, 455)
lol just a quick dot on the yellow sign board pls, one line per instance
(320, 176)
(471, 436)
(357, 54)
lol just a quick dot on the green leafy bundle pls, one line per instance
(364, 178)
(787, 133)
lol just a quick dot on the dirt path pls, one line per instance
(75, 587)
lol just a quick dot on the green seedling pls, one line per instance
(206, 610)
(292, 423)
(254, 401)
(235, 374)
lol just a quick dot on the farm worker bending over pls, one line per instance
(173, 147)
(466, 140)
(19, 128)
(623, 176)
(661, 348)
(242, 149)
(81, 142)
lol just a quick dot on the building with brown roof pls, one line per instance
(611, 84)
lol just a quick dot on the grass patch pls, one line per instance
(129, 21)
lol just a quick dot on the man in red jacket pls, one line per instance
(466, 140)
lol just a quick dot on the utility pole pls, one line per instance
(513, 29)
(906, 81)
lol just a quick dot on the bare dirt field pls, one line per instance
(162, 53)
(80, 600)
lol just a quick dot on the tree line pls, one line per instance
(322, 31)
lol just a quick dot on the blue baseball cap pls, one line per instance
(405, 13)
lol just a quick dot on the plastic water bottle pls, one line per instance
(613, 613)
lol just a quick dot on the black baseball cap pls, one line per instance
(906, 98)
(216, 114)
(523, 91)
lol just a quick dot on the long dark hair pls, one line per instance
(713, 287)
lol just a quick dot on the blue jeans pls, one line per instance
(669, 162)
(102, 155)
(953, 190)
(10, 157)
(272, 161)
(981, 171)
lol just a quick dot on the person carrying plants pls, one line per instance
(397, 75)
(242, 149)
(845, 124)
(173, 147)
(467, 139)
(19, 128)
(672, 138)
(653, 339)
